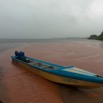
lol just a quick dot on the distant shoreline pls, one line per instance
(49, 38)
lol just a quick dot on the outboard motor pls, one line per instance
(20, 55)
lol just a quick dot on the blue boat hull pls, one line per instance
(69, 75)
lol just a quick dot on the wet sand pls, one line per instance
(18, 85)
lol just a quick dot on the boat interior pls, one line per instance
(40, 64)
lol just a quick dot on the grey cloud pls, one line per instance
(47, 18)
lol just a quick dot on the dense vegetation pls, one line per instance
(94, 36)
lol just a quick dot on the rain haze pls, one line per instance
(50, 18)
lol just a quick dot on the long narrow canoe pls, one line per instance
(69, 75)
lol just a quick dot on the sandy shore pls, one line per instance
(17, 85)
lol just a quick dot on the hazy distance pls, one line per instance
(50, 18)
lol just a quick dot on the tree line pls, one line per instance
(96, 37)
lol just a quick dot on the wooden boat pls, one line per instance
(69, 75)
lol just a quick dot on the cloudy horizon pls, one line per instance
(50, 18)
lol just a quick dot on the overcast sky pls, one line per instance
(50, 18)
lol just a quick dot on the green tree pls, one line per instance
(94, 36)
(100, 37)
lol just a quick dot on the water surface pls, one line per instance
(18, 85)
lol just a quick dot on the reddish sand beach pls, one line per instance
(18, 85)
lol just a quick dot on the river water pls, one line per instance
(18, 85)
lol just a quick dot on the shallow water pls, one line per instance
(18, 85)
